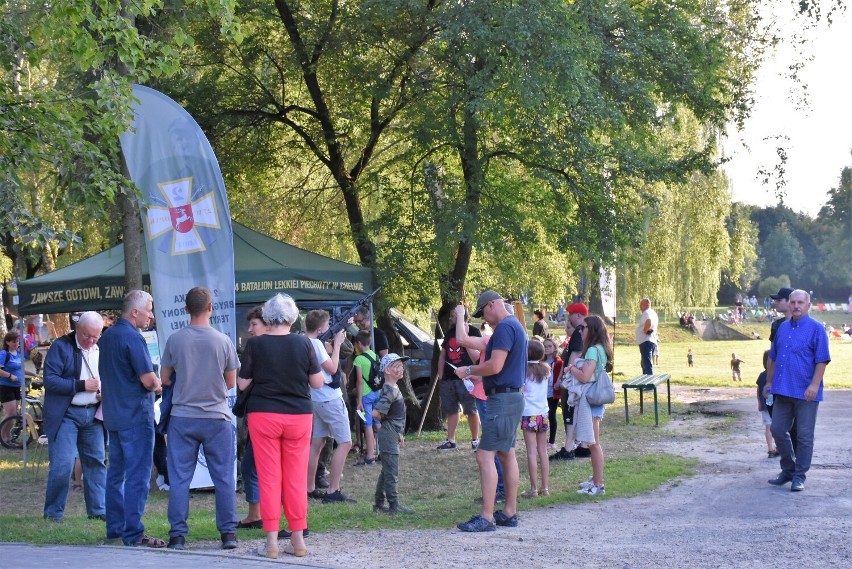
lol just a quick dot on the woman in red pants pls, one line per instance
(281, 368)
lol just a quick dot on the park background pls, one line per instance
(450, 147)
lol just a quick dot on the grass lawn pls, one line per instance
(441, 486)
(712, 360)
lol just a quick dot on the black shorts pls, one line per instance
(9, 393)
(567, 411)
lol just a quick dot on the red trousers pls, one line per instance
(282, 446)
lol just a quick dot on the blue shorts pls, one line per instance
(501, 420)
(369, 401)
(597, 410)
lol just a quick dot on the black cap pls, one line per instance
(782, 293)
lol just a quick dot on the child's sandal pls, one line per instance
(531, 493)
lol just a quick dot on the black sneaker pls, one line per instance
(229, 540)
(561, 454)
(505, 521)
(380, 509)
(177, 542)
(582, 452)
(284, 534)
(337, 496)
(400, 509)
(447, 445)
(322, 482)
(316, 494)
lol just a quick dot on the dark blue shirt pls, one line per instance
(798, 347)
(124, 358)
(511, 337)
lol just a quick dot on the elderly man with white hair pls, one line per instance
(72, 395)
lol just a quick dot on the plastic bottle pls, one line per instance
(770, 400)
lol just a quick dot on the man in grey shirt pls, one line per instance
(202, 364)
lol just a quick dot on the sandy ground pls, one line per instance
(725, 516)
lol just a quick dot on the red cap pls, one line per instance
(578, 308)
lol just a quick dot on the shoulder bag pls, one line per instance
(239, 408)
(602, 391)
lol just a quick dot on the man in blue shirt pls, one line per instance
(128, 384)
(503, 374)
(798, 358)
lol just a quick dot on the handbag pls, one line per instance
(239, 408)
(602, 391)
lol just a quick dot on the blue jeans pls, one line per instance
(218, 438)
(482, 408)
(795, 463)
(646, 351)
(131, 456)
(78, 431)
(250, 487)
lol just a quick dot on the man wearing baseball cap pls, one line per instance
(779, 301)
(503, 374)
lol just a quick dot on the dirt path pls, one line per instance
(725, 516)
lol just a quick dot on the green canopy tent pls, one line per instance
(264, 266)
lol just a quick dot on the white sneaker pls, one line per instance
(474, 444)
(592, 491)
(586, 485)
(161, 483)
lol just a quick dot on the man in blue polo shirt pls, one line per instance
(798, 357)
(503, 374)
(128, 384)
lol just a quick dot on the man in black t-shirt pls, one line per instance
(363, 319)
(453, 392)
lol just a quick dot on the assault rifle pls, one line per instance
(341, 322)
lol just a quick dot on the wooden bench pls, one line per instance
(647, 383)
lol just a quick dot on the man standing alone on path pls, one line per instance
(202, 364)
(503, 374)
(72, 394)
(799, 357)
(646, 335)
(128, 384)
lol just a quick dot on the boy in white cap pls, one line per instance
(390, 410)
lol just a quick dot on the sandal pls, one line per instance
(531, 493)
(267, 552)
(544, 492)
(148, 541)
(289, 549)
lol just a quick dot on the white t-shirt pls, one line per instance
(324, 393)
(535, 397)
(641, 336)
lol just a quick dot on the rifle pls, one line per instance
(341, 322)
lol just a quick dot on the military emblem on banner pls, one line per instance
(183, 216)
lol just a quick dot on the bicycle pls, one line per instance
(12, 428)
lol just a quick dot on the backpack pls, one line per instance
(375, 379)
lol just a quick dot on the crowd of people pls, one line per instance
(101, 385)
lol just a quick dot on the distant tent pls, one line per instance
(263, 265)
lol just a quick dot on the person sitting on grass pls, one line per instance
(390, 410)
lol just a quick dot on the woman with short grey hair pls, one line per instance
(281, 368)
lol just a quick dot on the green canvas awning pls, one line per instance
(264, 266)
